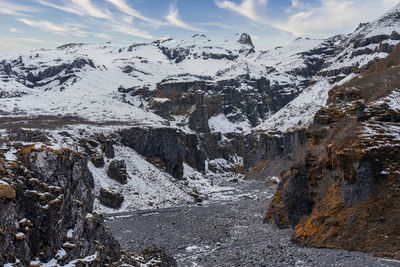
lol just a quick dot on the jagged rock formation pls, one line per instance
(117, 171)
(46, 205)
(345, 190)
(160, 146)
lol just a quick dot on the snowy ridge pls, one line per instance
(83, 80)
(111, 83)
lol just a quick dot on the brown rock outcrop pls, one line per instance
(345, 191)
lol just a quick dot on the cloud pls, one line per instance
(14, 30)
(32, 40)
(125, 8)
(248, 8)
(16, 42)
(133, 32)
(10, 8)
(219, 25)
(331, 16)
(55, 28)
(102, 35)
(128, 19)
(174, 20)
(79, 7)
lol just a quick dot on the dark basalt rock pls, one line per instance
(161, 143)
(97, 160)
(117, 171)
(176, 54)
(202, 100)
(24, 135)
(218, 56)
(53, 71)
(111, 199)
(54, 195)
(163, 109)
(246, 40)
(108, 149)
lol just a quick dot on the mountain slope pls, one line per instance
(347, 182)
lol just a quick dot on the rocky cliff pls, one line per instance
(46, 203)
(344, 191)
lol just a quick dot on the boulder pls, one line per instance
(108, 148)
(6, 190)
(117, 171)
(97, 160)
(110, 198)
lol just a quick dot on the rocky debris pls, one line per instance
(117, 171)
(156, 257)
(110, 198)
(228, 233)
(51, 212)
(24, 135)
(158, 145)
(347, 181)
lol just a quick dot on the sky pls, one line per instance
(32, 24)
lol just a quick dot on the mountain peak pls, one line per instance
(246, 39)
(393, 14)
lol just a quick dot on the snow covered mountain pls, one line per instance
(104, 82)
(109, 83)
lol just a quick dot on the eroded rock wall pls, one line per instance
(344, 192)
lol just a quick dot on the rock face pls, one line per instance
(117, 171)
(51, 211)
(159, 145)
(348, 181)
(203, 100)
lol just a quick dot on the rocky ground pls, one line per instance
(228, 233)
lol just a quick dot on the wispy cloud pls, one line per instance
(133, 32)
(55, 28)
(11, 8)
(32, 40)
(19, 42)
(248, 8)
(174, 20)
(123, 6)
(330, 16)
(80, 7)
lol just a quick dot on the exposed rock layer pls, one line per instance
(344, 193)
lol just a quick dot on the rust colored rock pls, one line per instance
(350, 172)
(6, 191)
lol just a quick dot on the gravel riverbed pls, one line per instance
(227, 233)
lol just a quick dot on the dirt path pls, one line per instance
(227, 234)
